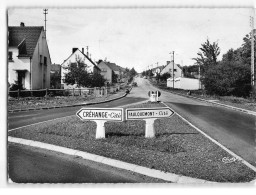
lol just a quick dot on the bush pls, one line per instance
(227, 79)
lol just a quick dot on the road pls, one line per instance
(233, 129)
(19, 119)
(34, 165)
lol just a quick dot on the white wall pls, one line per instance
(183, 83)
(39, 69)
(18, 64)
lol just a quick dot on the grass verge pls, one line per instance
(177, 147)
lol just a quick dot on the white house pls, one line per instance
(29, 61)
(175, 69)
(73, 58)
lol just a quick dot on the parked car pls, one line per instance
(134, 84)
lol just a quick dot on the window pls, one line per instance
(175, 70)
(45, 60)
(41, 59)
(10, 56)
(103, 70)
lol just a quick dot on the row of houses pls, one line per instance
(30, 65)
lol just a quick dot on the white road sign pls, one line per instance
(107, 114)
(147, 113)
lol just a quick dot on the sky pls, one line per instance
(137, 37)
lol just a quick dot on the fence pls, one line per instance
(97, 91)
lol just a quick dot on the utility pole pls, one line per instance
(45, 12)
(172, 53)
(252, 53)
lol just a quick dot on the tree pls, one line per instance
(207, 56)
(228, 78)
(55, 80)
(96, 80)
(232, 75)
(165, 76)
(114, 77)
(132, 72)
(77, 73)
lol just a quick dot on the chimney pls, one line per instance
(167, 62)
(22, 24)
(74, 49)
(83, 50)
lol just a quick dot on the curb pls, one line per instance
(66, 106)
(171, 177)
(212, 102)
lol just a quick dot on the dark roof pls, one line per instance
(25, 38)
(113, 66)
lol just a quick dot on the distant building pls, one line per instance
(107, 69)
(175, 69)
(29, 61)
(157, 70)
(73, 59)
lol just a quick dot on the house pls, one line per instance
(173, 69)
(29, 60)
(107, 69)
(74, 57)
(157, 70)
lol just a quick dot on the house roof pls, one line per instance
(25, 38)
(84, 56)
(175, 64)
(113, 66)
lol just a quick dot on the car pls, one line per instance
(134, 84)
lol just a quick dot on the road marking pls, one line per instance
(217, 143)
(40, 122)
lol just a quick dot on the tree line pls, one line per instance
(231, 76)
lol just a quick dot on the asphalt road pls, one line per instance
(235, 130)
(34, 165)
(19, 119)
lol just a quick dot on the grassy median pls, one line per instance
(177, 147)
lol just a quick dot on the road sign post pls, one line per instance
(100, 116)
(149, 115)
(150, 128)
